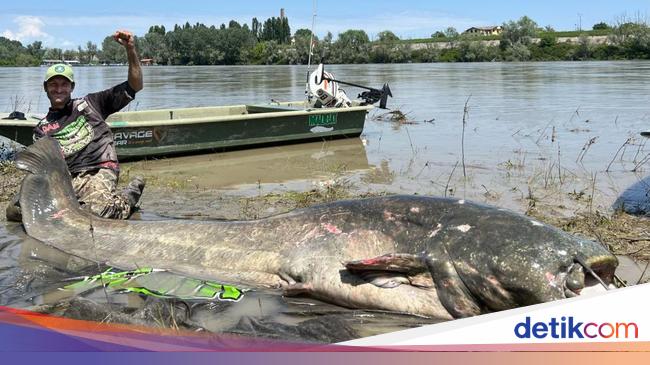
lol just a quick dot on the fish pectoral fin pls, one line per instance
(393, 262)
(452, 291)
(392, 270)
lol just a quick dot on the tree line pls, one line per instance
(271, 42)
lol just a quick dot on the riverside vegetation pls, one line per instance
(272, 42)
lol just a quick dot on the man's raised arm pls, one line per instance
(126, 39)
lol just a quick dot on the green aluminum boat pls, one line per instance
(150, 133)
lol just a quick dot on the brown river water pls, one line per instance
(556, 131)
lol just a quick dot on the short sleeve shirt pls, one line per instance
(80, 128)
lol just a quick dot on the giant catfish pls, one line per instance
(427, 256)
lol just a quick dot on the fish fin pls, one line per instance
(392, 270)
(452, 292)
(295, 289)
(383, 279)
(42, 157)
(47, 190)
(393, 262)
(422, 280)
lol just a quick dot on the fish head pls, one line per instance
(532, 264)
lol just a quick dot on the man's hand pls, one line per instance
(125, 38)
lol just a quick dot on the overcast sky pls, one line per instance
(69, 23)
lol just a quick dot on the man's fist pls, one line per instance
(124, 38)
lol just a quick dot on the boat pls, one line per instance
(152, 133)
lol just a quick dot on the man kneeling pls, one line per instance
(86, 140)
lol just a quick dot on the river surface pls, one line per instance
(501, 133)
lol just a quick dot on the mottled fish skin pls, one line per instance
(461, 258)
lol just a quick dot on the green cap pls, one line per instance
(60, 69)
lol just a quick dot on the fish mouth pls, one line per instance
(590, 275)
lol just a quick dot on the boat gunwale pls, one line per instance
(235, 117)
(33, 121)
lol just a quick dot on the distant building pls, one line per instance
(146, 61)
(492, 30)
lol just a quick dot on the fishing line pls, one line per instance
(91, 229)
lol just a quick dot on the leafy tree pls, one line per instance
(632, 38)
(53, 54)
(70, 54)
(548, 40)
(302, 37)
(91, 51)
(387, 37)
(112, 52)
(516, 37)
(12, 53)
(429, 53)
(583, 52)
(276, 29)
(600, 26)
(352, 46)
(388, 49)
(438, 34)
(520, 32)
(471, 50)
(256, 28)
(517, 52)
(36, 50)
(451, 32)
(232, 41)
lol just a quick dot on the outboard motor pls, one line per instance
(323, 92)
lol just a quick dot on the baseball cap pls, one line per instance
(59, 69)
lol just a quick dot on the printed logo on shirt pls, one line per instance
(48, 127)
(75, 136)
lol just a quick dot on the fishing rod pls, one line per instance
(311, 50)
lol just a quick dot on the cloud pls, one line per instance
(29, 28)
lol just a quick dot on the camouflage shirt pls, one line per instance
(80, 128)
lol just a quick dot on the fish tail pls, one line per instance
(42, 157)
(47, 189)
